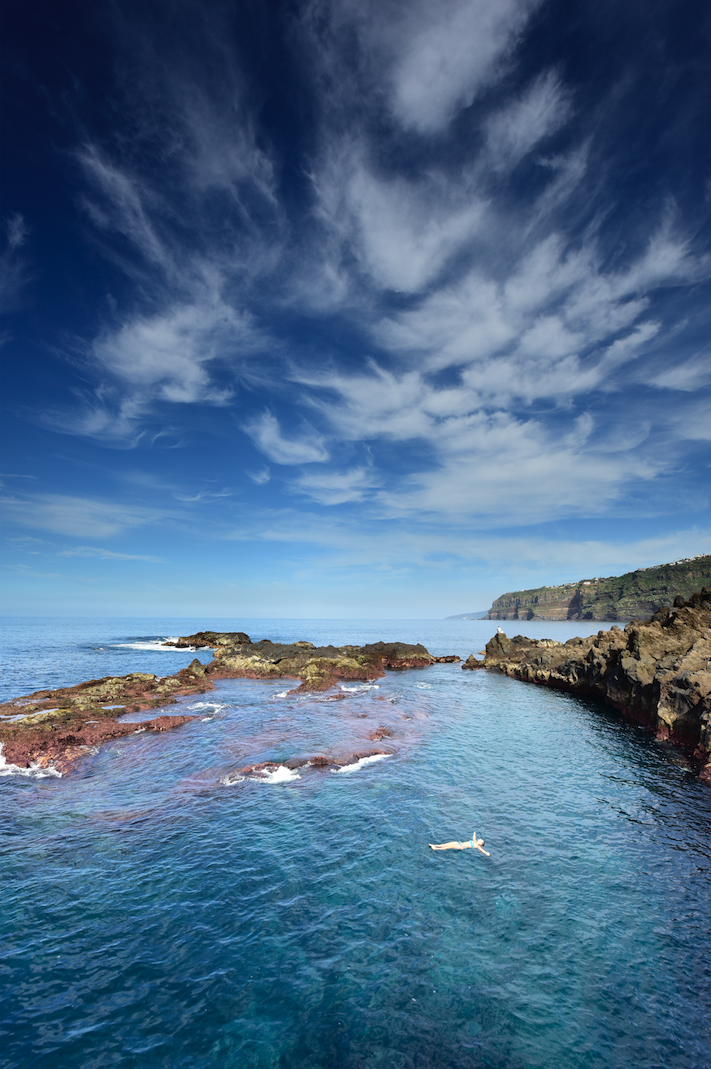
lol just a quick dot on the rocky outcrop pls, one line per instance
(657, 671)
(633, 596)
(209, 639)
(319, 667)
(59, 745)
(55, 727)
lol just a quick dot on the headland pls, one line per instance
(633, 596)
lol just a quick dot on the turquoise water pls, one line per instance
(161, 909)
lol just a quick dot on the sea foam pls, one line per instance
(35, 771)
(155, 645)
(231, 779)
(361, 762)
(280, 774)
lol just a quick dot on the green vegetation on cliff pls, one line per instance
(632, 596)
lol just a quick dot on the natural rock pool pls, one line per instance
(160, 909)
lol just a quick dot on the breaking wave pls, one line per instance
(34, 771)
(361, 762)
(280, 774)
(155, 645)
(231, 779)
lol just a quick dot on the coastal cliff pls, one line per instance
(633, 596)
(656, 671)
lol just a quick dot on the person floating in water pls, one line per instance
(472, 844)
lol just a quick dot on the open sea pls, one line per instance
(161, 909)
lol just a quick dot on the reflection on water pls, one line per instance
(162, 908)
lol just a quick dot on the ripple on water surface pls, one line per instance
(156, 916)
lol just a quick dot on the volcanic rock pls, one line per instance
(656, 671)
(211, 639)
(633, 596)
(55, 727)
(317, 666)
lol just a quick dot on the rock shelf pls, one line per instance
(656, 671)
(55, 728)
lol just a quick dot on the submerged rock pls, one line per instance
(55, 727)
(656, 671)
(59, 745)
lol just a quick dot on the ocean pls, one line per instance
(160, 908)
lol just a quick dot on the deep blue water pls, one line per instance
(160, 910)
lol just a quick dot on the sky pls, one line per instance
(326, 308)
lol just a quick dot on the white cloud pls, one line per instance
(168, 357)
(167, 354)
(405, 545)
(687, 377)
(17, 231)
(496, 468)
(667, 259)
(107, 554)
(508, 319)
(77, 516)
(516, 129)
(127, 206)
(222, 152)
(402, 231)
(13, 263)
(691, 422)
(309, 448)
(509, 344)
(406, 237)
(454, 325)
(335, 488)
(444, 53)
(203, 495)
(260, 477)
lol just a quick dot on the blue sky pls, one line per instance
(347, 308)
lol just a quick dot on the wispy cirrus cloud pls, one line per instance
(128, 206)
(13, 262)
(166, 357)
(374, 545)
(77, 516)
(107, 554)
(513, 131)
(203, 495)
(402, 231)
(433, 280)
(442, 56)
(337, 487)
(307, 448)
(688, 376)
